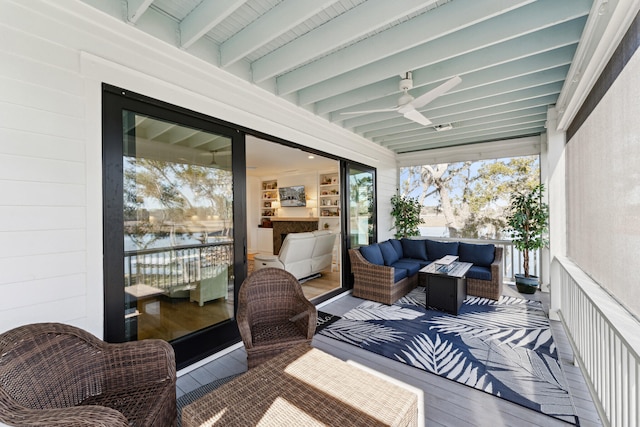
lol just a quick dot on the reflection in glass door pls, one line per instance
(173, 252)
(362, 206)
(178, 220)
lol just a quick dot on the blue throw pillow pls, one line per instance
(437, 250)
(389, 254)
(398, 247)
(372, 254)
(481, 255)
(414, 249)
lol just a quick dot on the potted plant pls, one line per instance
(528, 225)
(406, 214)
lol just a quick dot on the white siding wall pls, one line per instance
(54, 57)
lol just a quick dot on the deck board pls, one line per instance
(446, 403)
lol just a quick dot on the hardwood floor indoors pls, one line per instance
(445, 402)
(170, 318)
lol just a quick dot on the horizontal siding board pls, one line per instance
(24, 218)
(40, 267)
(41, 291)
(39, 121)
(17, 67)
(22, 168)
(40, 97)
(26, 243)
(71, 311)
(27, 143)
(44, 194)
(20, 193)
(41, 52)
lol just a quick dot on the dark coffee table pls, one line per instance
(446, 288)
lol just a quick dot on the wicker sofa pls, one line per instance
(386, 271)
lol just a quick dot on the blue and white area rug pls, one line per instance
(504, 347)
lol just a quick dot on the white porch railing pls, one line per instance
(511, 258)
(606, 342)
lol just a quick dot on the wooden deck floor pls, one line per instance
(446, 403)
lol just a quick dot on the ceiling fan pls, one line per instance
(407, 104)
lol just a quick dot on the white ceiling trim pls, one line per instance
(605, 28)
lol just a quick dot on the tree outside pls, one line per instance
(468, 199)
(168, 204)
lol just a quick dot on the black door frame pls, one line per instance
(200, 344)
(203, 343)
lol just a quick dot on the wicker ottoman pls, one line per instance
(305, 387)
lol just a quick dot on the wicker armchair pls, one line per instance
(273, 314)
(59, 375)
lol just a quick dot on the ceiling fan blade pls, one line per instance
(434, 93)
(416, 116)
(381, 110)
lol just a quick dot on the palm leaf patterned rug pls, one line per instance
(503, 347)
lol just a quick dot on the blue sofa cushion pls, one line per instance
(411, 266)
(372, 254)
(397, 245)
(399, 274)
(415, 249)
(478, 272)
(481, 255)
(437, 250)
(423, 263)
(389, 254)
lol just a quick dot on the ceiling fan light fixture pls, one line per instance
(444, 127)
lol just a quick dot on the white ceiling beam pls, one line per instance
(452, 110)
(480, 137)
(509, 118)
(473, 90)
(434, 137)
(522, 128)
(344, 28)
(520, 67)
(435, 24)
(534, 132)
(528, 19)
(488, 115)
(204, 17)
(268, 27)
(491, 111)
(136, 8)
(461, 131)
(529, 44)
(487, 150)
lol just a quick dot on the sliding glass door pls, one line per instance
(361, 222)
(174, 255)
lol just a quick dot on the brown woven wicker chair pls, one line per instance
(59, 375)
(273, 314)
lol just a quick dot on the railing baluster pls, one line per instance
(167, 268)
(604, 337)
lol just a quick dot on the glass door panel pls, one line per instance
(178, 228)
(362, 206)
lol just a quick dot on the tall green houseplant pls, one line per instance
(406, 215)
(528, 220)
